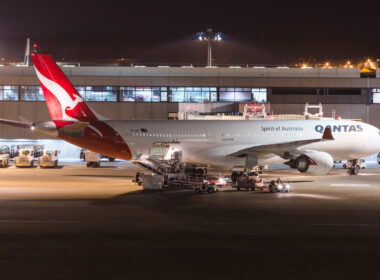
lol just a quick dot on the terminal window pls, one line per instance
(9, 93)
(259, 94)
(235, 94)
(98, 93)
(143, 94)
(192, 94)
(376, 95)
(32, 93)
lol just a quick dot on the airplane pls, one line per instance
(310, 146)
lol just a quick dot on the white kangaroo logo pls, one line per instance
(63, 97)
(77, 100)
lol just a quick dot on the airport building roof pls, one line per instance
(189, 71)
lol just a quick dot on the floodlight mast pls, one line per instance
(209, 36)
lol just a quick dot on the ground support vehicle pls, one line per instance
(4, 160)
(49, 158)
(219, 182)
(139, 177)
(279, 186)
(92, 159)
(244, 181)
(25, 158)
(177, 175)
(205, 187)
(82, 156)
(153, 183)
(248, 181)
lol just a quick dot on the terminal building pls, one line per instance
(153, 93)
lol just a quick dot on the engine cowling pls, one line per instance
(314, 162)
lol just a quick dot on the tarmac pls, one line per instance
(87, 223)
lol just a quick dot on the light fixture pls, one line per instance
(209, 35)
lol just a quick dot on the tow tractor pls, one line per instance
(49, 158)
(4, 156)
(252, 181)
(25, 158)
(205, 187)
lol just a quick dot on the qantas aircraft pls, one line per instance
(307, 145)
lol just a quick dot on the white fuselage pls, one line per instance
(214, 142)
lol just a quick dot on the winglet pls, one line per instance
(327, 135)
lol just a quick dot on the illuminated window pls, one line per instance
(177, 94)
(164, 94)
(82, 91)
(32, 93)
(259, 94)
(376, 95)
(235, 94)
(193, 94)
(9, 93)
(143, 94)
(99, 93)
(127, 94)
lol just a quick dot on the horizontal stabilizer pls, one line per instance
(75, 130)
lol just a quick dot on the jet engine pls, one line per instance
(313, 162)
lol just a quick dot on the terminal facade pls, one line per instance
(127, 93)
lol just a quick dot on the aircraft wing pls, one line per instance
(283, 147)
(16, 123)
(73, 130)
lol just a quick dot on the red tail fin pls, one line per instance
(62, 99)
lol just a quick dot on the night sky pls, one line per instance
(261, 32)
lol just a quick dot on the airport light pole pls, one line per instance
(209, 35)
